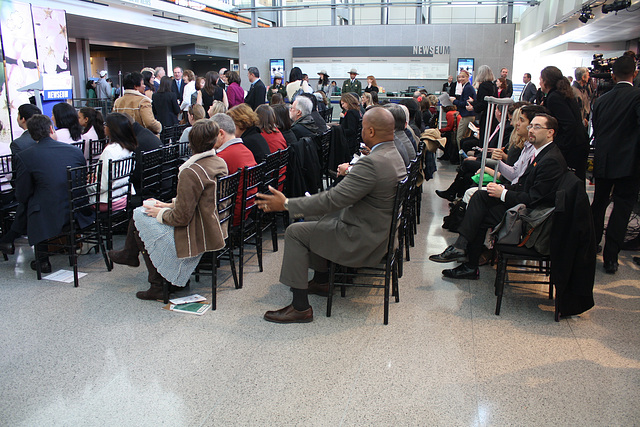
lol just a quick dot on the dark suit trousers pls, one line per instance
(482, 213)
(297, 257)
(576, 158)
(624, 192)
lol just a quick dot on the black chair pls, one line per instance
(83, 200)
(514, 259)
(8, 202)
(118, 187)
(324, 143)
(184, 151)
(226, 193)
(169, 172)
(96, 147)
(148, 182)
(327, 114)
(271, 176)
(250, 227)
(81, 145)
(390, 269)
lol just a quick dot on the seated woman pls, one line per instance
(65, 119)
(217, 107)
(173, 236)
(351, 120)
(283, 122)
(122, 144)
(93, 127)
(268, 128)
(195, 113)
(246, 121)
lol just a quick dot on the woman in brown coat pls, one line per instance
(173, 236)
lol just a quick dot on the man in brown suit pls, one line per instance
(354, 218)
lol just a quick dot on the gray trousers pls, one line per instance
(298, 258)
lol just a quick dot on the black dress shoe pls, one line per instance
(289, 314)
(446, 195)
(45, 266)
(8, 248)
(610, 267)
(462, 272)
(636, 259)
(450, 254)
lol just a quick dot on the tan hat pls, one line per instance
(323, 72)
(433, 139)
(277, 76)
(353, 71)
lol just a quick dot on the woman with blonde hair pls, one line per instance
(246, 121)
(194, 113)
(217, 107)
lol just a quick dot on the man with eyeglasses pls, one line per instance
(536, 187)
(300, 114)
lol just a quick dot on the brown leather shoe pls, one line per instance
(316, 288)
(122, 258)
(151, 294)
(289, 315)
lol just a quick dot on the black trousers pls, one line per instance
(483, 212)
(624, 193)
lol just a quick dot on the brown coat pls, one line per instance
(138, 106)
(194, 214)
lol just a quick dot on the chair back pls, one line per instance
(83, 186)
(81, 145)
(171, 134)
(169, 171)
(96, 147)
(282, 171)
(150, 173)
(394, 251)
(328, 114)
(6, 177)
(184, 150)
(271, 171)
(251, 182)
(119, 184)
(226, 194)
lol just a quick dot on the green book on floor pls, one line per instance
(191, 308)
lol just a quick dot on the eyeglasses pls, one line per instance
(535, 127)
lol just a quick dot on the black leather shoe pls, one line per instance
(289, 314)
(446, 195)
(450, 254)
(636, 259)
(45, 266)
(610, 267)
(8, 248)
(462, 272)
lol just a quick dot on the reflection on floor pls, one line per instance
(96, 355)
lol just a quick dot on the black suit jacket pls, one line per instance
(616, 129)
(538, 184)
(174, 89)
(529, 93)
(165, 108)
(21, 143)
(257, 95)
(255, 142)
(147, 141)
(41, 185)
(571, 133)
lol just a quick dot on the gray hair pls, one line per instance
(581, 71)
(225, 122)
(484, 74)
(304, 105)
(254, 71)
(399, 116)
(406, 112)
(158, 70)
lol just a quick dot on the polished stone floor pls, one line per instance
(97, 356)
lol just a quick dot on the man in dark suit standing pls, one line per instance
(503, 73)
(536, 187)
(258, 92)
(23, 142)
(616, 130)
(222, 79)
(177, 85)
(446, 87)
(351, 223)
(41, 183)
(529, 91)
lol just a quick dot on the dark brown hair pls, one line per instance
(266, 118)
(555, 80)
(203, 135)
(121, 131)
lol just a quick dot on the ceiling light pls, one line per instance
(585, 14)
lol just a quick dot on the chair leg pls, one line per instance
(165, 291)
(332, 278)
(387, 280)
(240, 263)
(500, 278)
(259, 245)
(394, 283)
(214, 282)
(274, 233)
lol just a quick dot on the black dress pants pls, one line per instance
(624, 192)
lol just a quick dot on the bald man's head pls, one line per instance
(377, 126)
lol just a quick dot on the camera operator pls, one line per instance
(616, 129)
(584, 94)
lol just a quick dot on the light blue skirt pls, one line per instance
(160, 243)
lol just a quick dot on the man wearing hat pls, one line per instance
(103, 89)
(352, 85)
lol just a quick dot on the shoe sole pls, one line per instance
(293, 321)
(462, 277)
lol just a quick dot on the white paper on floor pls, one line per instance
(65, 276)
